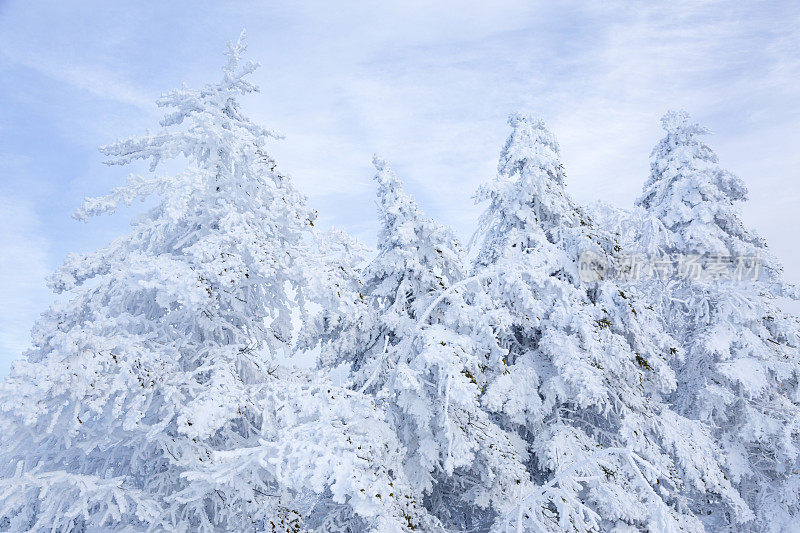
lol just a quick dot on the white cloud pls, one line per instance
(97, 81)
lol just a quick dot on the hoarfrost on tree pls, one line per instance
(742, 363)
(153, 397)
(588, 370)
(423, 345)
(510, 393)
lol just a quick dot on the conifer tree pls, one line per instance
(740, 374)
(425, 348)
(588, 369)
(416, 258)
(153, 396)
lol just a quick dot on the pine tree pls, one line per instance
(416, 258)
(740, 373)
(588, 368)
(425, 348)
(153, 395)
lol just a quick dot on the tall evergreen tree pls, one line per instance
(424, 346)
(742, 364)
(416, 259)
(588, 368)
(153, 395)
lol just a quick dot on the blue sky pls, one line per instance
(426, 86)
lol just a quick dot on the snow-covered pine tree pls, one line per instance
(153, 397)
(424, 346)
(416, 260)
(587, 365)
(742, 364)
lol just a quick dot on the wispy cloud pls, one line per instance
(98, 82)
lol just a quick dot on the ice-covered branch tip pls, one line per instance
(381, 166)
(234, 53)
(676, 121)
(530, 122)
(209, 118)
(385, 176)
(517, 118)
(530, 143)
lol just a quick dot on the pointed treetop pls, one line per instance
(385, 175)
(681, 121)
(408, 240)
(209, 115)
(391, 195)
(528, 196)
(234, 72)
(398, 211)
(235, 51)
(530, 144)
(388, 181)
(683, 132)
(692, 195)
